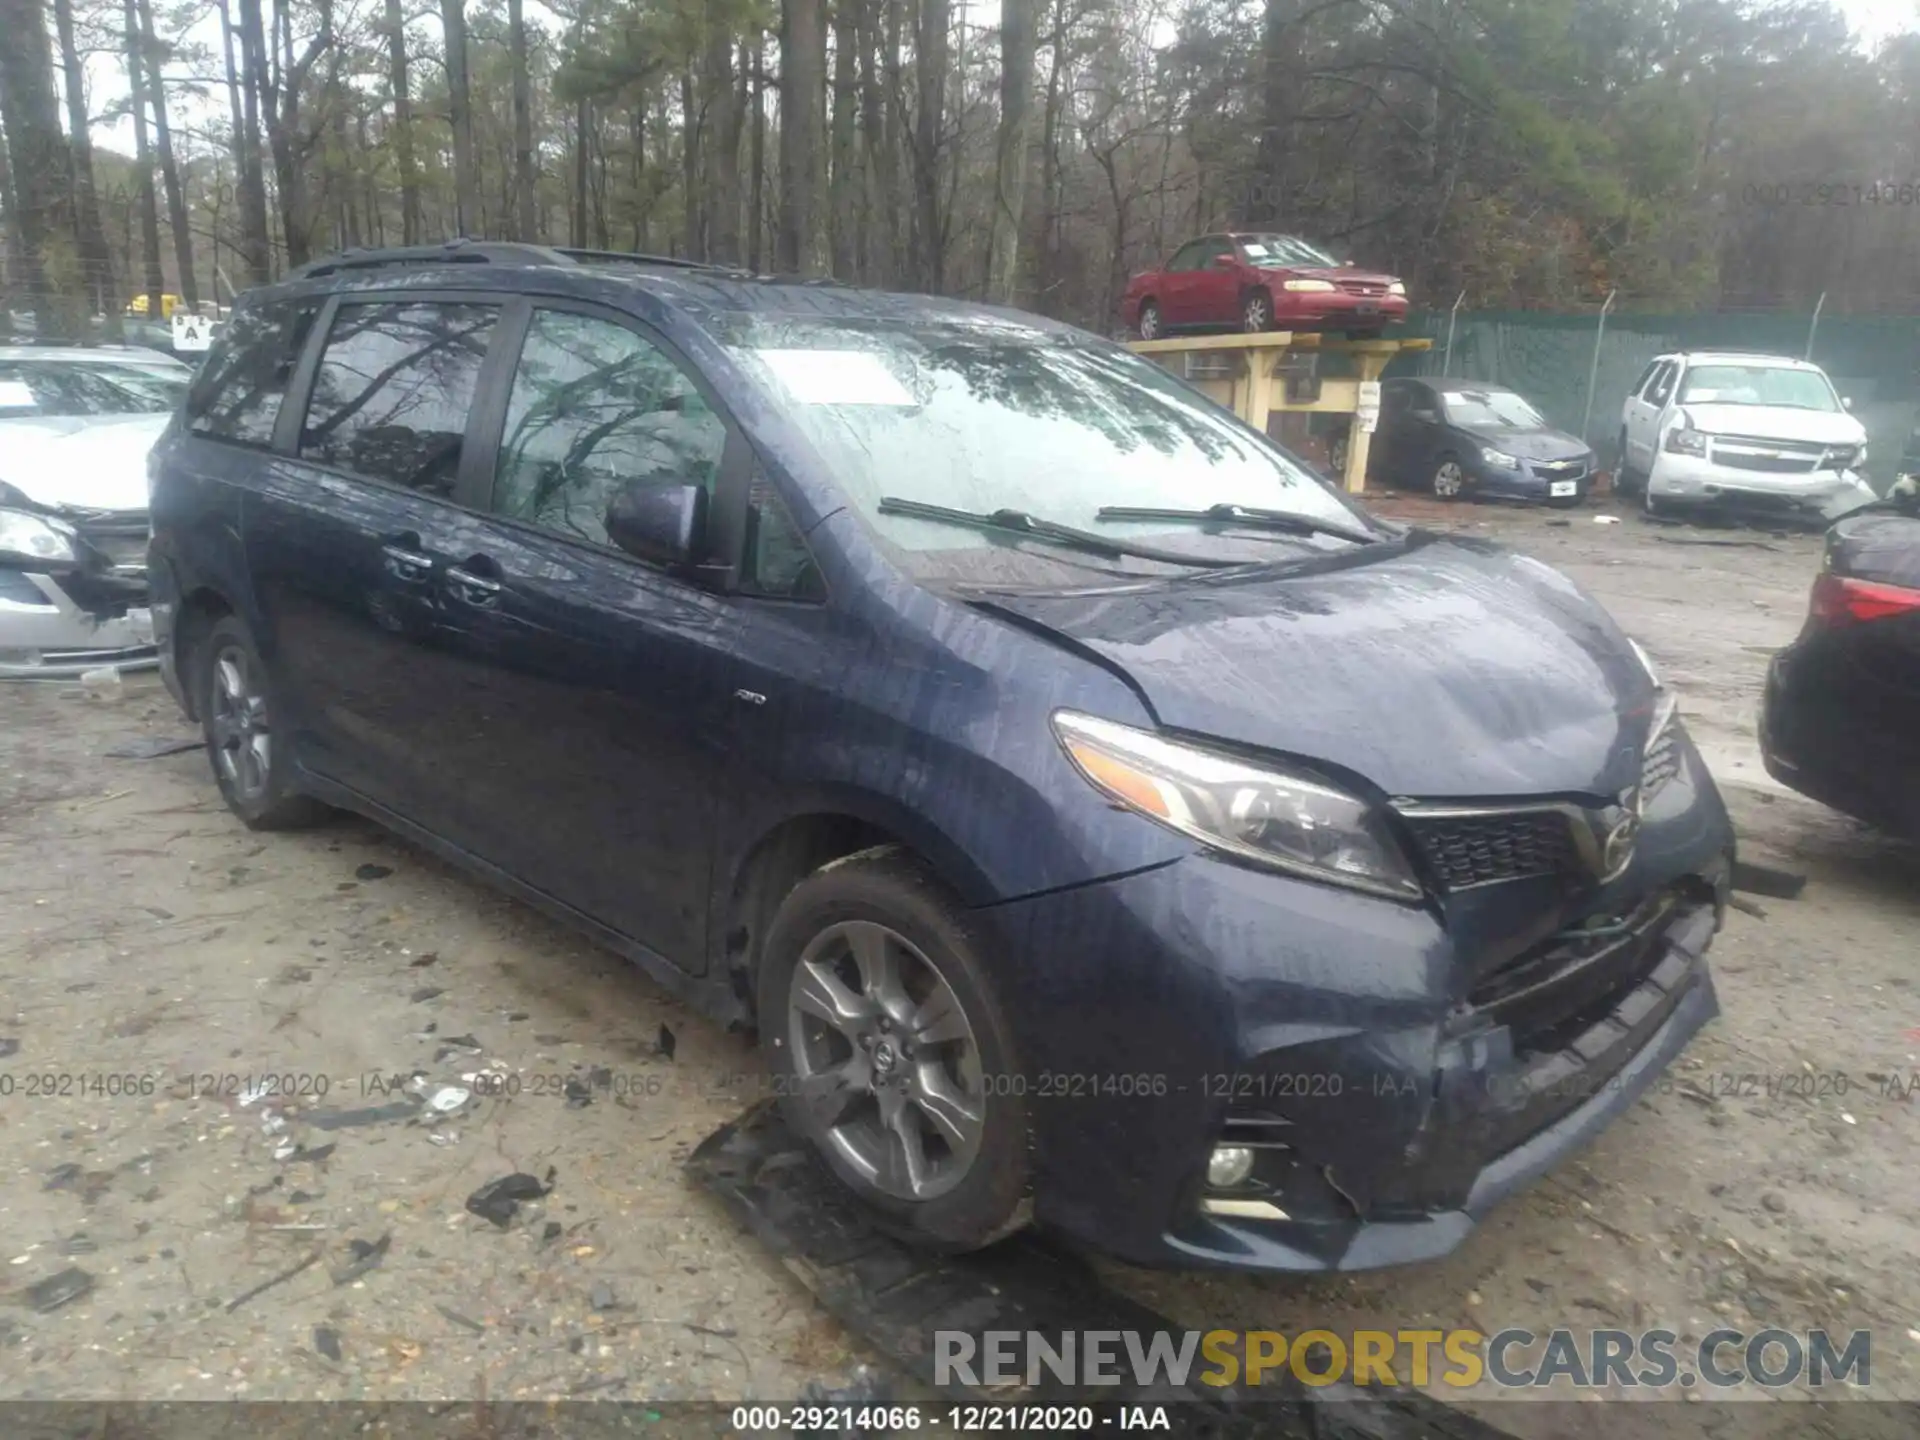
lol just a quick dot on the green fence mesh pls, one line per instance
(1874, 361)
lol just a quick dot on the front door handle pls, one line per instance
(471, 589)
(405, 560)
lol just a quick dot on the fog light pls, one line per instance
(1228, 1166)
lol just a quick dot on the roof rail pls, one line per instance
(452, 252)
(623, 257)
(489, 252)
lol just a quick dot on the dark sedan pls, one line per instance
(1457, 438)
(1841, 721)
(1103, 823)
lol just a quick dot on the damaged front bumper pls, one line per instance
(49, 633)
(1390, 1089)
(1822, 495)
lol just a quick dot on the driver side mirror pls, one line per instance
(662, 524)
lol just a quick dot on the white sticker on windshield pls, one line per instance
(836, 377)
(15, 395)
(1252, 248)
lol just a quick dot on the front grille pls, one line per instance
(1363, 287)
(1662, 761)
(1471, 850)
(1768, 457)
(1560, 469)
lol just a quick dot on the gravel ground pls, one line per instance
(143, 932)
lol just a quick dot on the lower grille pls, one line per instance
(1485, 849)
(1561, 986)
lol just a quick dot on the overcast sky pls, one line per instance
(1871, 20)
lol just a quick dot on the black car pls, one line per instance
(1457, 438)
(1104, 823)
(1841, 719)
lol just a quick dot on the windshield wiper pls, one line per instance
(1288, 520)
(1019, 522)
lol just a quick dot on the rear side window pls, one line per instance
(394, 388)
(237, 395)
(1662, 386)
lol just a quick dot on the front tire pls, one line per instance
(1147, 324)
(1449, 479)
(250, 761)
(891, 1054)
(1256, 313)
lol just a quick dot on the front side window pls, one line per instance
(1758, 385)
(41, 388)
(1497, 409)
(991, 415)
(594, 407)
(1189, 256)
(237, 394)
(395, 385)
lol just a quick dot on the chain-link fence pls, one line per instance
(1874, 361)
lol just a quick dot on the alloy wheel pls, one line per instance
(886, 1064)
(1258, 315)
(1149, 323)
(242, 740)
(1449, 480)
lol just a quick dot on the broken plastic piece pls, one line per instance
(499, 1200)
(60, 1289)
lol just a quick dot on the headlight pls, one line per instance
(1272, 817)
(36, 537)
(1499, 459)
(1396, 288)
(1309, 287)
(1683, 439)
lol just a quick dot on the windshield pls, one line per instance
(988, 415)
(1497, 409)
(41, 388)
(1758, 385)
(1272, 252)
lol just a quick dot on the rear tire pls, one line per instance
(892, 1055)
(251, 764)
(1147, 324)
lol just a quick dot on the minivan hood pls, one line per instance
(1777, 422)
(1433, 667)
(80, 462)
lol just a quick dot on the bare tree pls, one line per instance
(526, 225)
(803, 67)
(41, 208)
(1010, 160)
(930, 83)
(256, 241)
(466, 174)
(410, 229)
(95, 259)
(163, 150)
(155, 276)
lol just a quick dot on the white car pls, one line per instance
(76, 424)
(1726, 426)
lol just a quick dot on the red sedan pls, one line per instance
(1258, 281)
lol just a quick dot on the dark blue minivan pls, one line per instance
(1104, 824)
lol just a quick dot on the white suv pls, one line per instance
(1730, 426)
